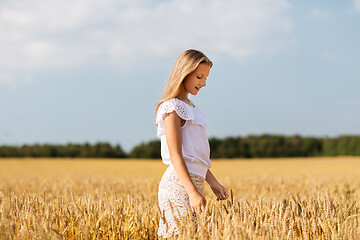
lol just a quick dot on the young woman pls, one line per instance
(181, 127)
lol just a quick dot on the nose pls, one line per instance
(204, 83)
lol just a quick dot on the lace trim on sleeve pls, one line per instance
(185, 112)
(176, 105)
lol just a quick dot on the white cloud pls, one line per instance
(6, 78)
(39, 34)
(357, 5)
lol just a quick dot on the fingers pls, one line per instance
(226, 194)
(223, 195)
(200, 206)
(220, 198)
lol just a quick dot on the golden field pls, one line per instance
(298, 198)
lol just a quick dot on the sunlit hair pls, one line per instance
(185, 64)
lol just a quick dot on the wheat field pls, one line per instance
(299, 198)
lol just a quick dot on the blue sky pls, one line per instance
(89, 71)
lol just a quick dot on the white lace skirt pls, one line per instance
(171, 191)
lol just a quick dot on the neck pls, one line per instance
(181, 97)
(183, 94)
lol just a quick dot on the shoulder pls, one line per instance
(177, 106)
(172, 103)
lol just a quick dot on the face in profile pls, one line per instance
(197, 79)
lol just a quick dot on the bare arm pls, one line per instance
(174, 141)
(210, 178)
(173, 138)
(218, 189)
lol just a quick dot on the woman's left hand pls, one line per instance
(220, 191)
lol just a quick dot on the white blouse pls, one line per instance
(195, 144)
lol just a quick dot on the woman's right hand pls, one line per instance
(197, 201)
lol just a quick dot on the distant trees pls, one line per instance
(263, 146)
(345, 145)
(98, 150)
(267, 146)
(151, 149)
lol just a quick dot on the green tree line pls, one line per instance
(263, 146)
(86, 150)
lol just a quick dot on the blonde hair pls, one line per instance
(185, 64)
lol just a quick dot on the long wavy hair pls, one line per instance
(185, 64)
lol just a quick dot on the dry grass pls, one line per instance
(109, 199)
